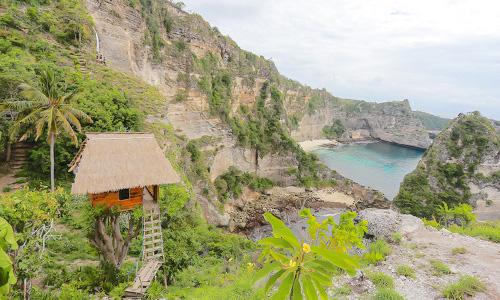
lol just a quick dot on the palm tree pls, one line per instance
(46, 106)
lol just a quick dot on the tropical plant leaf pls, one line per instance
(338, 259)
(276, 242)
(308, 287)
(268, 268)
(7, 238)
(320, 288)
(285, 288)
(272, 280)
(280, 230)
(297, 290)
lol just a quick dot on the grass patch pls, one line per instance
(466, 286)
(439, 268)
(458, 250)
(344, 290)
(405, 270)
(381, 280)
(484, 230)
(396, 238)
(387, 294)
(378, 251)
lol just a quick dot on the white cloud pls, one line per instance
(441, 54)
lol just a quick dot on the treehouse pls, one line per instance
(124, 170)
(121, 170)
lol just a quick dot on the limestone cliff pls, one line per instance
(167, 55)
(462, 165)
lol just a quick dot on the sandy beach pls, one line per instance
(315, 144)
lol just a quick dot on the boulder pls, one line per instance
(383, 223)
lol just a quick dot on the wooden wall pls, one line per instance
(112, 199)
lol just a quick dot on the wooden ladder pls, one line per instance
(152, 251)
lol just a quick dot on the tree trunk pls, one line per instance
(110, 241)
(52, 162)
(8, 152)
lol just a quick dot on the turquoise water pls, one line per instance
(379, 165)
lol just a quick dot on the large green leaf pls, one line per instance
(7, 239)
(322, 266)
(272, 280)
(268, 268)
(280, 230)
(285, 288)
(309, 289)
(276, 242)
(320, 278)
(297, 290)
(338, 259)
(279, 257)
(320, 288)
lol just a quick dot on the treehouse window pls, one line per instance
(124, 194)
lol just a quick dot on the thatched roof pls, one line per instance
(113, 161)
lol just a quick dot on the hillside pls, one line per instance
(431, 122)
(461, 166)
(229, 123)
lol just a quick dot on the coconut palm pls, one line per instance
(46, 107)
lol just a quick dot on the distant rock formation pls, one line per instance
(461, 166)
(391, 122)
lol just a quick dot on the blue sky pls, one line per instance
(442, 55)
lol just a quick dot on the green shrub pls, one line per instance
(431, 223)
(439, 268)
(466, 286)
(405, 270)
(333, 131)
(118, 292)
(69, 292)
(460, 214)
(458, 250)
(381, 280)
(231, 183)
(378, 251)
(387, 294)
(486, 230)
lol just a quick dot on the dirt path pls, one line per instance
(6, 180)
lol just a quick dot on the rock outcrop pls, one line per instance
(461, 166)
(392, 122)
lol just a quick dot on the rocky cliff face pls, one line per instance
(391, 122)
(462, 165)
(186, 58)
(127, 41)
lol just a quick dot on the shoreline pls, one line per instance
(311, 145)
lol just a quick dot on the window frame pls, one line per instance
(120, 195)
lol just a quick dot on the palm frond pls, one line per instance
(40, 125)
(66, 126)
(73, 120)
(18, 105)
(33, 94)
(82, 116)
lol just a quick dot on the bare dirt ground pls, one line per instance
(6, 180)
(421, 245)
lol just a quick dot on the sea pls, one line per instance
(378, 165)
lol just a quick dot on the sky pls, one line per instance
(442, 55)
